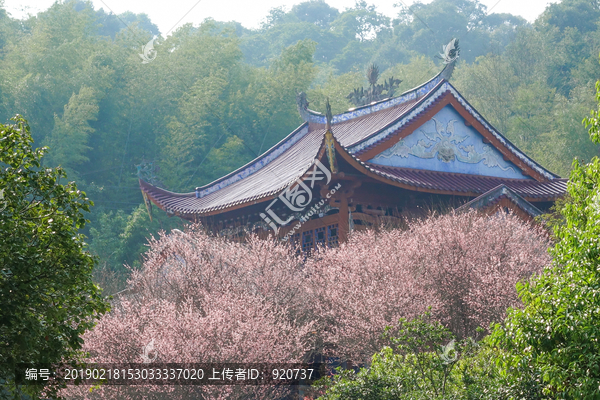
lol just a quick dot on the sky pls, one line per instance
(170, 14)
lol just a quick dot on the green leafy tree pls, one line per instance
(317, 12)
(557, 333)
(593, 121)
(424, 362)
(120, 239)
(361, 22)
(424, 27)
(353, 57)
(282, 36)
(49, 63)
(530, 109)
(580, 14)
(107, 244)
(47, 297)
(490, 84)
(69, 138)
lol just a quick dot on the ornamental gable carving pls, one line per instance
(446, 144)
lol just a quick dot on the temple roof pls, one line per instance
(498, 193)
(360, 134)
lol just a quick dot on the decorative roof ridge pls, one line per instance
(315, 117)
(307, 114)
(446, 73)
(493, 195)
(450, 56)
(256, 164)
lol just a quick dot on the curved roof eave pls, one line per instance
(152, 191)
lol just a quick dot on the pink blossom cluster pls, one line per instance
(204, 299)
(464, 266)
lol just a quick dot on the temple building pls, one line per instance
(400, 157)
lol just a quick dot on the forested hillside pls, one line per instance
(217, 94)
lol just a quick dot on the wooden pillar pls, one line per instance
(342, 199)
(343, 225)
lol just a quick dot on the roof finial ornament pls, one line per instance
(302, 103)
(373, 74)
(146, 171)
(376, 92)
(329, 142)
(451, 51)
(306, 114)
(450, 54)
(328, 114)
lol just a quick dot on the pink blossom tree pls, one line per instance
(464, 266)
(202, 299)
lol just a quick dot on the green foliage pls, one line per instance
(424, 26)
(553, 217)
(317, 12)
(429, 354)
(47, 297)
(119, 240)
(557, 332)
(361, 22)
(422, 366)
(335, 88)
(384, 379)
(580, 14)
(593, 121)
(424, 363)
(69, 138)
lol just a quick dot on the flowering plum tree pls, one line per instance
(202, 299)
(464, 266)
